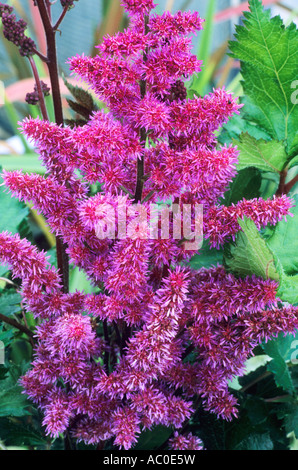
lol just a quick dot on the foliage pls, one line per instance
(266, 136)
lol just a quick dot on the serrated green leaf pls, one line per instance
(288, 288)
(83, 97)
(279, 349)
(19, 434)
(6, 336)
(284, 241)
(256, 441)
(289, 414)
(12, 401)
(79, 109)
(239, 124)
(268, 52)
(261, 154)
(10, 303)
(250, 254)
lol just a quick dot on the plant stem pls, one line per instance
(62, 263)
(107, 340)
(143, 133)
(288, 186)
(60, 19)
(39, 89)
(281, 187)
(45, 14)
(255, 381)
(16, 324)
(42, 57)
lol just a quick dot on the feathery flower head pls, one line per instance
(185, 442)
(134, 7)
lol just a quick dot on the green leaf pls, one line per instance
(83, 97)
(293, 162)
(284, 241)
(19, 434)
(261, 154)
(256, 441)
(12, 401)
(246, 184)
(206, 257)
(6, 336)
(279, 349)
(12, 211)
(268, 52)
(10, 303)
(152, 439)
(288, 288)
(289, 414)
(79, 109)
(249, 254)
(237, 125)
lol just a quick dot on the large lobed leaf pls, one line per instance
(261, 154)
(268, 52)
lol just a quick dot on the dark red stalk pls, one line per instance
(143, 134)
(16, 324)
(39, 89)
(44, 8)
(288, 186)
(284, 187)
(60, 19)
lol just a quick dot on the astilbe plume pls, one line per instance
(153, 309)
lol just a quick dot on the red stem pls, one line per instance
(143, 134)
(290, 184)
(60, 19)
(44, 8)
(39, 89)
(16, 324)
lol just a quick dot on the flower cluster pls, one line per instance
(14, 31)
(185, 442)
(33, 98)
(155, 335)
